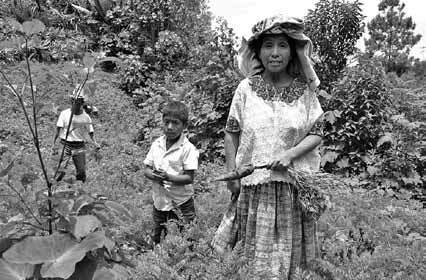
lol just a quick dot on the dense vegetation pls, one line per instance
(173, 49)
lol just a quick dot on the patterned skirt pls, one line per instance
(271, 229)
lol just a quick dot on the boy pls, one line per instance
(81, 126)
(170, 164)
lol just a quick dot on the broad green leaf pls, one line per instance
(15, 24)
(12, 271)
(105, 217)
(64, 206)
(81, 226)
(104, 274)
(117, 272)
(6, 243)
(63, 266)
(58, 252)
(119, 209)
(32, 27)
(82, 201)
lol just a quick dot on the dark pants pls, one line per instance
(77, 151)
(185, 213)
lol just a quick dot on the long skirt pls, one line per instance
(272, 231)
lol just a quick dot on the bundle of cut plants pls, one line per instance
(312, 188)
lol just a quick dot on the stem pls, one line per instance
(32, 93)
(23, 201)
(36, 139)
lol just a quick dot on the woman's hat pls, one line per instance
(293, 27)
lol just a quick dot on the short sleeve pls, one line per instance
(90, 124)
(234, 122)
(190, 158)
(315, 121)
(61, 120)
(149, 159)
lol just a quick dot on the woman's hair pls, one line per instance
(293, 67)
(176, 109)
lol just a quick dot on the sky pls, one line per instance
(241, 15)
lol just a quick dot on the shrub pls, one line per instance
(360, 103)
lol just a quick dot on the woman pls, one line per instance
(273, 121)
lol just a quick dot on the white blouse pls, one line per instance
(270, 122)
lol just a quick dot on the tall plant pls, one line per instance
(392, 36)
(68, 240)
(334, 27)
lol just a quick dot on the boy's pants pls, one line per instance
(76, 151)
(161, 217)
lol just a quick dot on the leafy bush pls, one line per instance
(334, 27)
(359, 103)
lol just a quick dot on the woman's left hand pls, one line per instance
(282, 163)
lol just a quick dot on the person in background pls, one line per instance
(274, 121)
(75, 138)
(171, 163)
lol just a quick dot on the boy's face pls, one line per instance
(172, 127)
(77, 104)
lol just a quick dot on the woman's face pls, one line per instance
(275, 53)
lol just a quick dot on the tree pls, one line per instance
(392, 36)
(334, 27)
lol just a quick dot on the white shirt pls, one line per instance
(181, 156)
(271, 127)
(80, 127)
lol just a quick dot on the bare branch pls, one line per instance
(9, 184)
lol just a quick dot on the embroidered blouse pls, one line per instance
(271, 120)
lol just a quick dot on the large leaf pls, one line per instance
(117, 272)
(12, 271)
(119, 209)
(15, 24)
(6, 243)
(32, 27)
(104, 274)
(63, 266)
(81, 226)
(58, 252)
(81, 201)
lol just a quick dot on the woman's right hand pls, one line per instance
(234, 186)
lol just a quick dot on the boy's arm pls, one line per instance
(92, 137)
(58, 130)
(150, 174)
(182, 179)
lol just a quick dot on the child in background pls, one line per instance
(170, 164)
(81, 127)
